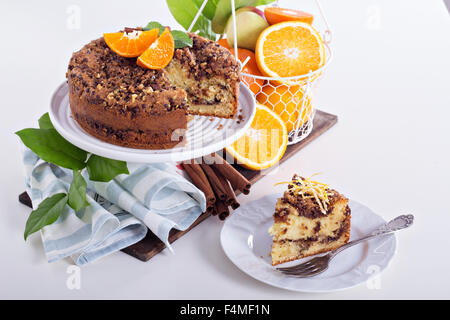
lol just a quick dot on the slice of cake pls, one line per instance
(309, 219)
(117, 101)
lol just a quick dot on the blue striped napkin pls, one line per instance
(156, 196)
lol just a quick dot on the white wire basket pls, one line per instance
(290, 97)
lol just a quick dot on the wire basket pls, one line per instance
(290, 97)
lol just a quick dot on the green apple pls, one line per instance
(223, 12)
(250, 23)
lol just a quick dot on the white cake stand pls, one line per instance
(204, 135)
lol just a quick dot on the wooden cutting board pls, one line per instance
(151, 245)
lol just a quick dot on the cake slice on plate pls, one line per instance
(309, 218)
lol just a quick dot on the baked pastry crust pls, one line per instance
(117, 101)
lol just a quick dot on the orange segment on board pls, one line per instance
(276, 15)
(289, 49)
(287, 102)
(160, 52)
(264, 143)
(130, 44)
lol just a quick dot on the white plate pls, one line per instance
(204, 135)
(246, 241)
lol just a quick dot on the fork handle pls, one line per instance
(401, 222)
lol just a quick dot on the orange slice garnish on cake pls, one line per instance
(289, 49)
(276, 15)
(131, 43)
(263, 144)
(160, 52)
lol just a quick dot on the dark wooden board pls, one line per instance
(151, 245)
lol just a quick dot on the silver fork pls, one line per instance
(319, 264)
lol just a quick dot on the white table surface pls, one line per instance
(389, 84)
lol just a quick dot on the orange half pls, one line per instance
(130, 44)
(276, 15)
(289, 49)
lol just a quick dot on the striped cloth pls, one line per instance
(156, 196)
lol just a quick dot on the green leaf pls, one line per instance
(77, 192)
(184, 12)
(45, 122)
(210, 8)
(181, 39)
(47, 212)
(103, 169)
(50, 146)
(154, 25)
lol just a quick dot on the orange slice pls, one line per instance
(130, 44)
(287, 102)
(160, 52)
(289, 49)
(276, 15)
(264, 143)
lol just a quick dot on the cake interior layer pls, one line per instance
(291, 225)
(208, 96)
(287, 250)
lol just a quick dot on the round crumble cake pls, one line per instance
(117, 101)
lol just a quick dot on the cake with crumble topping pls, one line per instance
(309, 218)
(117, 101)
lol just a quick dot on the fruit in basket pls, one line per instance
(224, 43)
(160, 52)
(263, 144)
(223, 12)
(249, 25)
(287, 102)
(250, 67)
(131, 43)
(276, 15)
(289, 49)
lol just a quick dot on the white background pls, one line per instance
(389, 84)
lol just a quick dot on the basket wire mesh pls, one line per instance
(290, 97)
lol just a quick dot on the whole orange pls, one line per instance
(287, 101)
(250, 67)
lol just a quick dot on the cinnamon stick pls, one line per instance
(215, 211)
(199, 179)
(237, 180)
(223, 216)
(215, 182)
(231, 199)
(222, 209)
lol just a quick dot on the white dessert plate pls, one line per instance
(246, 241)
(204, 135)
